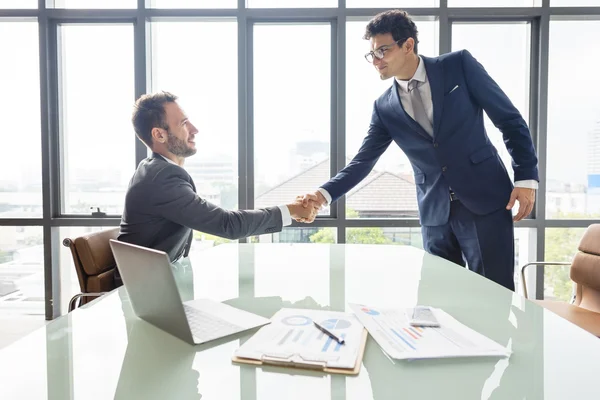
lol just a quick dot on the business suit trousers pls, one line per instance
(484, 242)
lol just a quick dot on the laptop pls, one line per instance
(148, 277)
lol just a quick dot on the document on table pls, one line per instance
(292, 339)
(391, 330)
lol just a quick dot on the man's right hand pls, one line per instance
(316, 197)
(311, 202)
(302, 213)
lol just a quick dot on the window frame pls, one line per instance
(48, 19)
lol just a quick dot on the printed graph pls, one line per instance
(416, 338)
(292, 337)
(296, 320)
(409, 336)
(303, 333)
(336, 323)
(369, 311)
(328, 343)
(309, 337)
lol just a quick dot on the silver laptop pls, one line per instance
(150, 283)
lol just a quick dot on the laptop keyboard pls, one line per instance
(206, 326)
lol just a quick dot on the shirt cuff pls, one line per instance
(325, 194)
(286, 218)
(529, 184)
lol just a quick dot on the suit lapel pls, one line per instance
(396, 105)
(435, 76)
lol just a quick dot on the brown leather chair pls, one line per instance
(94, 264)
(584, 309)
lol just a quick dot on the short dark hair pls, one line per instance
(396, 22)
(149, 112)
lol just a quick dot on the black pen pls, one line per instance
(331, 335)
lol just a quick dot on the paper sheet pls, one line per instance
(391, 330)
(292, 336)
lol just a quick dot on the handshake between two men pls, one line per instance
(306, 207)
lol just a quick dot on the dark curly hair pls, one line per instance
(396, 22)
(149, 112)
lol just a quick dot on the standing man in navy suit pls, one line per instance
(434, 112)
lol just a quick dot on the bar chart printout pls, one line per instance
(391, 330)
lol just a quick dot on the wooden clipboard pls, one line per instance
(312, 367)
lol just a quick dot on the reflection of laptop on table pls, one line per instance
(149, 280)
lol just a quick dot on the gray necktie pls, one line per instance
(418, 108)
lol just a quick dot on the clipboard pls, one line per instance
(297, 362)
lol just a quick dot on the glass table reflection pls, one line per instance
(103, 351)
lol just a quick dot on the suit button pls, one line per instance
(435, 144)
(444, 168)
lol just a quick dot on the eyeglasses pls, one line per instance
(380, 52)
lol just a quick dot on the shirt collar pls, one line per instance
(420, 76)
(167, 160)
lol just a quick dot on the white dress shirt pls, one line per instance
(425, 91)
(286, 218)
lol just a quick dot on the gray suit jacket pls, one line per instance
(162, 208)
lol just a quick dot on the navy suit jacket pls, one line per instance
(460, 155)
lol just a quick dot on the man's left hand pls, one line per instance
(526, 199)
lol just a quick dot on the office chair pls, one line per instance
(94, 264)
(584, 308)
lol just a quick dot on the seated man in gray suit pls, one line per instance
(161, 204)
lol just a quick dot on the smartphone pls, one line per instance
(423, 316)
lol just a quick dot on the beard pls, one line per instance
(179, 147)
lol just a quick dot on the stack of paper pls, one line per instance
(391, 330)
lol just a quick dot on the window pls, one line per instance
(512, 75)
(525, 251)
(20, 156)
(292, 3)
(97, 93)
(294, 235)
(561, 246)
(495, 3)
(305, 235)
(94, 4)
(299, 235)
(292, 110)
(574, 119)
(18, 4)
(391, 3)
(574, 3)
(21, 271)
(193, 3)
(393, 170)
(207, 87)
(379, 235)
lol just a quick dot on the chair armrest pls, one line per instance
(544, 263)
(79, 295)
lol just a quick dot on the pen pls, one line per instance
(328, 333)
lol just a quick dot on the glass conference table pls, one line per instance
(102, 351)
